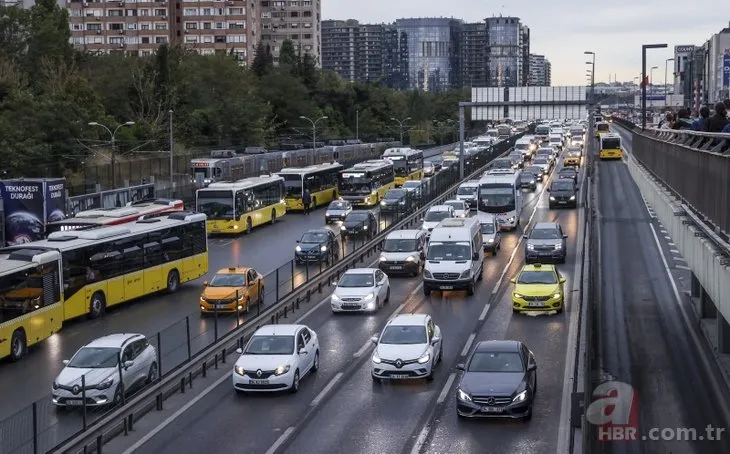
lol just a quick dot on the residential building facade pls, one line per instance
(296, 20)
(539, 75)
(354, 51)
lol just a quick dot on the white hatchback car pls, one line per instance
(409, 347)
(434, 215)
(461, 208)
(276, 358)
(361, 289)
(98, 363)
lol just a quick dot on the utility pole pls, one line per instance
(172, 177)
(112, 142)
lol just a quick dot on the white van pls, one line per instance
(468, 192)
(454, 258)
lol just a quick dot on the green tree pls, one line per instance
(260, 65)
(48, 35)
(287, 54)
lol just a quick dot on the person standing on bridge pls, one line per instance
(699, 123)
(683, 121)
(306, 201)
(718, 121)
(668, 120)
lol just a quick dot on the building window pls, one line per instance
(235, 11)
(190, 12)
(265, 4)
(77, 27)
(159, 26)
(146, 53)
(131, 13)
(145, 40)
(115, 13)
(146, 12)
(307, 36)
(191, 25)
(207, 12)
(220, 38)
(131, 26)
(144, 27)
(160, 12)
(294, 14)
(161, 40)
(219, 25)
(306, 14)
(294, 36)
(207, 26)
(191, 39)
(93, 27)
(266, 15)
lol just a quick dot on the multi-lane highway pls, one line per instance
(341, 409)
(645, 336)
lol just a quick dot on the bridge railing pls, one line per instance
(694, 165)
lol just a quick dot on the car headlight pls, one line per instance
(364, 227)
(559, 246)
(491, 240)
(520, 397)
(402, 202)
(530, 247)
(281, 370)
(335, 298)
(323, 248)
(342, 227)
(383, 259)
(556, 295)
(424, 359)
(461, 395)
(376, 359)
(552, 198)
(532, 181)
(427, 274)
(382, 204)
(105, 384)
(517, 295)
(465, 274)
(239, 370)
(298, 249)
(572, 197)
(410, 258)
(368, 297)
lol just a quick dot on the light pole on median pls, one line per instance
(314, 128)
(112, 141)
(400, 126)
(644, 47)
(593, 73)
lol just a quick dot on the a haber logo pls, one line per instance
(614, 411)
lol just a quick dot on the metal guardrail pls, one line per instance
(122, 419)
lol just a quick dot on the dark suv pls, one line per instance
(360, 223)
(545, 242)
(396, 201)
(563, 193)
(317, 245)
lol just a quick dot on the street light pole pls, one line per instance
(644, 47)
(172, 179)
(666, 68)
(314, 128)
(593, 72)
(357, 124)
(400, 125)
(112, 141)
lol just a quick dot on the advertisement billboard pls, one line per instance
(24, 210)
(726, 69)
(55, 200)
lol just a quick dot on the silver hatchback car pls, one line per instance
(545, 242)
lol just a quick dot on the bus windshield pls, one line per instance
(602, 127)
(496, 199)
(217, 205)
(400, 166)
(293, 185)
(350, 188)
(610, 144)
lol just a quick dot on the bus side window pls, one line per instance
(153, 254)
(194, 241)
(133, 260)
(240, 204)
(172, 244)
(74, 272)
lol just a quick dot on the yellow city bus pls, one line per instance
(320, 179)
(100, 267)
(610, 146)
(31, 299)
(602, 128)
(234, 208)
(364, 184)
(407, 163)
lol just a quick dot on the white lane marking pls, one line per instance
(570, 350)
(280, 441)
(483, 315)
(674, 251)
(679, 259)
(447, 388)
(420, 440)
(700, 346)
(141, 442)
(682, 267)
(326, 389)
(311, 311)
(667, 237)
(519, 242)
(363, 349)
(396, 311)
(467, 346)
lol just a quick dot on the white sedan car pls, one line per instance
(361, 289)
(276, 358)
(409, 347)
(461, 208)
(98, 363)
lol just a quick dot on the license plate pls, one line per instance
(258, 382)
(398, 267)
(446, 287)
(351, 306)
(536, 304)
(492, 409)
(400, 376)
(73, 401)
(562, 202)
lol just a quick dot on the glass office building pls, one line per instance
(508, 52)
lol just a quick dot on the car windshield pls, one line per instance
(496, 362)
(466, 190)
(314, 237)
(356, 280)
(541, 161)
(537, 277)
(395, 194)
(453, 251)
(565, 185)
(400, 245)
(501, 164)
(227, 280)
(404, 335)
(270, 345)
(436, 216)
(545, 234)
(456, 205)
(488, 229)
(527, 176)
(95, 358)
(411, 184)
(338, 205)
(534, 170)
(357, 217)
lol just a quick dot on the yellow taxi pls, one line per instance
(538, 287)
(232, 290)
(572, 157)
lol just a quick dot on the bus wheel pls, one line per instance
(173, 281)
(273, 217)
(249, 226)
(97, 305)
(18, 345)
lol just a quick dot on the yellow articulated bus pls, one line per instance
(320, 179)
(234, 208)
(366, 183)
(407, 164)
(610, 146)
(31, 299)
(100, 268)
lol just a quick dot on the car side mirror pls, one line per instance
(128, 364)
(239, 351)
(532, 367)
(460, 366)
(524, 237)
(548, 189)
(475, 256)
(205, 283)
(422, 255)
(421, 220)
(302, 351)
(374, 339)
(562, 280)
(513, 280)
(65, 362)
(297, 241)
(334, 283)
(565, 237)
(435, 340)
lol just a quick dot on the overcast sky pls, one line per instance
(563, 29)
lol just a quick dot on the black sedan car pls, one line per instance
(537, 171)
(360, 223)
(499, 380)
(317, 245)
(528, 180)
(396, 201)
(568, 173)
(563, 193)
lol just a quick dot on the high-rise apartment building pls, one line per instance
(296, 20)
(474, 54)
(353, 51)
(395, 58)
(539, 75)
(508, 52)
